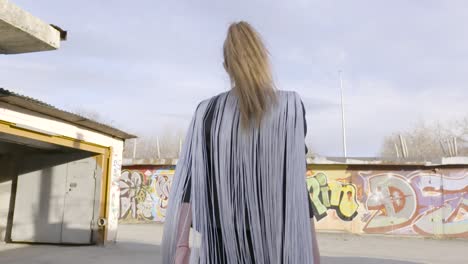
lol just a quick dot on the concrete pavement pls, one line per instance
(139, 243)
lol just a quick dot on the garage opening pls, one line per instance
(48, 193)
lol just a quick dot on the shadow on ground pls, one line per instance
(120, 253)
(361, 260)
(123, 252)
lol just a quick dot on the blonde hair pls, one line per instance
(247, 63)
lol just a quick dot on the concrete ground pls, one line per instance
(139, 243)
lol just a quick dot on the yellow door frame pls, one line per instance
(103, 158)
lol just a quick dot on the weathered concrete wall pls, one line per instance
(362, 199)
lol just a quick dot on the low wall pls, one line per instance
(391, 200)
(144, 193)
(373, 199)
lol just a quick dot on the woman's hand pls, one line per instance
(315, 249)
(182, 255)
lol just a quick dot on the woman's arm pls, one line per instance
(315, 248)
(182, 255)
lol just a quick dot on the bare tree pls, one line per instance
(170, 141)
(428, 141)
(93, 115)
(458, 130)
(164, 145)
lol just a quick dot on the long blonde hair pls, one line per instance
(247, 63)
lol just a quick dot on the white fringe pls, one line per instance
(249, 168)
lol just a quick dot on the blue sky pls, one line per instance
(144, 65)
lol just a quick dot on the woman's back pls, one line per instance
(245, 185)
(240, 180)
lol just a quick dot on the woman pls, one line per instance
(240, 180)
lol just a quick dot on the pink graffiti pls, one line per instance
(394, 203)
(428, 204)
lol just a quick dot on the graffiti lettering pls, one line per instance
(334, 195)
(144, 194)
(394, 201)
(418, 203)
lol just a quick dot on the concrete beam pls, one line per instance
(21, 32)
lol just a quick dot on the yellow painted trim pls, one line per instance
(6, 123)
(108, 184)
(10, 128)
(102, 161)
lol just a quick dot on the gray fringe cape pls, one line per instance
(245, 188)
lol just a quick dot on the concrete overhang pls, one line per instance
(21, 32)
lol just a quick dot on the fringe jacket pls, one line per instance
(241, 189)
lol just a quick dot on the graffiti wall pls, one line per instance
(400, 202)
(360, 199)
(144, 193)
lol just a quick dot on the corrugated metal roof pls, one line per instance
(50, 110)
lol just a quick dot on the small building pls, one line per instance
(59, 174)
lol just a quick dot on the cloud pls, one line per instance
(315, 104)
(147, 65)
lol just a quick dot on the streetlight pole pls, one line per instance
(343, 120)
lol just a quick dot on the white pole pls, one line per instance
(134, 147)
(406, 147)
(455, 146)
(343, 123)
(180, 146)
(157, 146)
(397, 152)
(403, 147)
(442, 146)
(449, 144)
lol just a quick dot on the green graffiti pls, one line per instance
(340, 197)
(320, 210)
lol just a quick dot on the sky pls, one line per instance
(143, 66)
